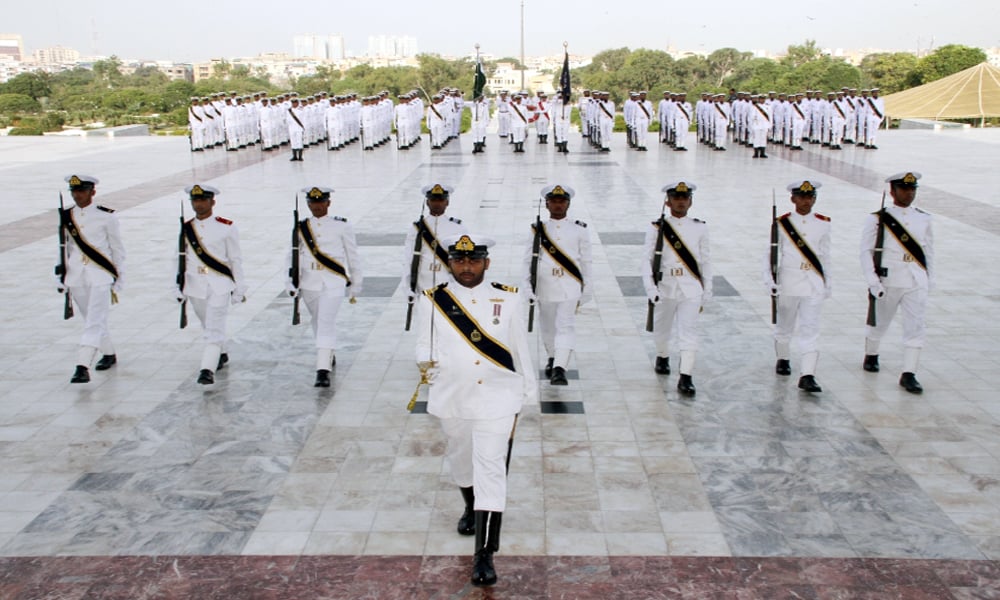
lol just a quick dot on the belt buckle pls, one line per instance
(314, 266)
(805, 266)
(203, 270)
(676, 271)
(907, 257)
(558, 271)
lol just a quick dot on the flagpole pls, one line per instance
(522, 45)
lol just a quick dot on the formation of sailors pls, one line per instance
(597, 118)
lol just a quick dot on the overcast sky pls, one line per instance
(192, 31)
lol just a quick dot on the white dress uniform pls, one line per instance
(209, 291)
(906, 283)
(90, 286)
(720, 117)
(542, 118)
(503, 116)
(801, 289)
(682, 122)
(760, 118)
(295, 120)
(474, 396)
(681, 294)
(437, 123)
(874, 116)
(557, 291)
(641, 117)
(560, 112)
(196, 121)
(321, 288)
(433, 270)
(518, 122)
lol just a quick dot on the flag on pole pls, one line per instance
(480, 80)
(564, 86)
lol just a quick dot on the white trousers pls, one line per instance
(803, 310)
(681, 127)
(557, 326)
(212, 312)
(913, 302)
(477, 457)
(323, 308)
(94, 304)
(680, 312)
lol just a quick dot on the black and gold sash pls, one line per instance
(89, 251)
(428, 236)
(687, 115)
(681, 250)
(305, 230)
(194, 114)
(905, 239)
(514, 106)
(839, 110)
(762, 112)
(469, 329)
(718, 107)
(605, 110)
(209, 261)
(801, 244)
(294, 116)
(558, 255)
(795, 105)
(643, 107)
(434, 110)
(874, 108)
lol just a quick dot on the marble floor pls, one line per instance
(143, 484)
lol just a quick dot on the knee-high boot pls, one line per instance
(487, 542)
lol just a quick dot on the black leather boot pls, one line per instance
(106, 362)
(783, 367)
(322, 378)
(808, 383)
(685, 385)
(548, 368)
(487, 543)
(558, 376)
(910, 383)
(871, 363)
(662, 366)
(467, 522)
(80, 375)
(206, 377)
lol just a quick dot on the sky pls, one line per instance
(195, 31)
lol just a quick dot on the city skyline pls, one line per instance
(113, 27)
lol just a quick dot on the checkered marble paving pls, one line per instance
(610, 474)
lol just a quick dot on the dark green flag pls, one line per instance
(480, 81)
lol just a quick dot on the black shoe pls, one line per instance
(808, 384)
(685, 385)
(762, 155)
(871, 363)
(662, 365)
(206, 377)
(487, 542)
(558, 376)
(783, 367)
(548, 368)
(910, 383)
(81, 375)
(467, 522)
(322, 378)
(106, 362)
(333, 361)
(223, 359)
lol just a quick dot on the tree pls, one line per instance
(34, 85)
(108, 73)
(647, 70)
(18, 103)
(757, 75)
(945, 61)
(800, 55)
(888, 71)
(723, 61)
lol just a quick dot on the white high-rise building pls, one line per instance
(392, 46)
(12, 46)
(56, 55)
(321, 47)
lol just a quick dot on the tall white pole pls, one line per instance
(522, 45)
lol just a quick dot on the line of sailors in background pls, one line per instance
(792, 119)
(236, 122)
(518, 111)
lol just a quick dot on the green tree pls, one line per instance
(647, 70)
(796, 56)
(888, 71)
(722, 63)
(35, 85)
(757, 75)
(945, 61)
(18, 103)
(108, 73)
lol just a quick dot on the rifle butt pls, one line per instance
(67, 307)
(871, 320)
(650, 309)
(184, 314)
(409, 316)
(774, 310)
(531, 318)
(296, 316)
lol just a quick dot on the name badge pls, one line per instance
(315, 266)
(558, 272)
(805, 266)
(85, 260)
(676, 272)
(908, 257)
(435, 266)
(203, 270)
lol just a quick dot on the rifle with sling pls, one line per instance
(415, 267)
(182, 268)
(774, 257)
(657, 274)
(536, 246)
(61, 267)
(877, 262)
(293, 272)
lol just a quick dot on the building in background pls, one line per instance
(392, 46)
(318, 47)
(55, 55)
(12, 46)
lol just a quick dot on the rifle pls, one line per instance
(536, 245)
(182, 267)
(61, 267)
(415, 267)
(293, 272)
(657, 274)
(877, 262)
(774, 257)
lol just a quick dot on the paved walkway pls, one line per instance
(749, 488)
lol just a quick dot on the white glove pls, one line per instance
(178, 295)
(828, 292)
(291, 289)
(876, 290)
(60, 286)
(774, 288)
(654, 298)
(706, 296)
(117, 286)
(355, 291)
(532, 298)
(586, 296)
(238, 299)
(411, 296)
(432, 374)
